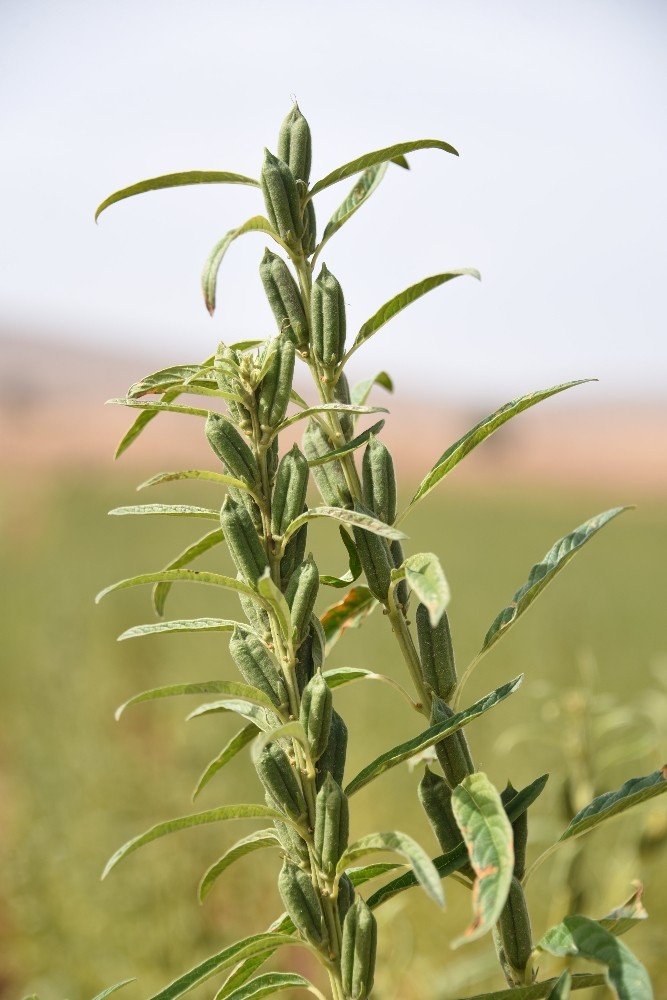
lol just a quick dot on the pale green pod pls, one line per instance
(436, 654)
(295, 847)
(305, 665)
(516, 932)
(379, 481)
(274, 390)
(231, 449)
(452, 752)
(293, 555)
(520, 831)
(332, 825)
(272, 457)
(435, 796)
(375, 560)
(284, 298)
(226, 356)
(333, 759)
(280, 782)
(295, 146)
(300, 595)
(243, 498)
(397, 558)
(327, 321)
(342, 395)
(289, 492)
(257, 616)
(281, 198)
(358, 951)
(257, 666)
(302, 903)
(345, 896)
(316, 714)
(244, 545)
(329, 477)
(309, 238)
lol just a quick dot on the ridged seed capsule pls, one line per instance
(281, 198)
(342, 395)
(309, 238)
(436, 654)
(294, 846)
(374, 559)
(231, 449)
(345, 896)
(520, 831)
(333, 759)
(302, 903)
(292, 556)
(435, 796)
(332, 825)
(300, 595)
(358, 951)
(257, 666)
(280, 782)
(244, 545)
(295, 144)
(284, 298)
(329, 477)
(379, 481)
(452, 752)
(515, 932)
(316, 714)
(289, 491)
(327, 321)
(274, 390)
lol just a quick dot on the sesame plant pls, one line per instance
(285, 695)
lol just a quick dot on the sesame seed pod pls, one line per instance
(520, 831)
(280, 782)
(452, 752)
(436, 654)
(300, 595)
(516, 932)
(293, 555)
(329, 477)
(243, 498)
(332, 760)
(309, 238)
(275, 387)
(243, 541)
(302, 903)
(358, 951)
(435, 796)
(316, 714)
(342, 395)
(295, 144)
(345, 896)
(332, 825)
(281, 198)
(294, 846)
(375, 562)
(284, 298)
(257, 666)
(327, 321)
(289, 492)
(305, 665)
(226, 356)
(257, 617)
(231, 449)
(379, 481)
(397, 558)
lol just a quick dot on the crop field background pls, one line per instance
(76, 784)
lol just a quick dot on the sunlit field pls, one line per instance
(76, 784)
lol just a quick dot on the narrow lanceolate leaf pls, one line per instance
(581, 937)
(362, 875)
(257, 841)
(239, 706)
(228, 752)
(269, 983)
(376, 157)
(543, 990)
(166, 510)
(276, 599)
(185, 625)
(174, 575)
(627, 915)
(112, 989)
(345, 516)
(213, 477)
(426, 577)
(184, 558)
(352, 445)
(155, 406)
(447, 864)
(543, 573)
(235, 689)
(354, 564)
(562, 988)
(404, 299)
(142, 420)
(480, 432)
(431, 736)
(362, 390)
(610, 804)
(338, 676)
(258, 944)
(209, 276)
(181, 179)
(359, 194)
(357, 604)
(487, 833)
(398, 843)
(356, 409)
(166, 378)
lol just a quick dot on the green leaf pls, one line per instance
(362, 390)
(360, 193)
(627, 915)
(538, 991)
(562, 989)
(376, 157)
(352, 445)
(357, 409)
(140, 423)
(168, 510)
(431, 736)
(480, 432)
(426, 577)
(581, 937)
(487, 833)
(269, 983)
(338, 676)
(352, 517)
(173, 575)
(397, 843)
(354, 564)
(112, 989)
(293, 730)
(184, 558)
(185, 625)
(214, 477)
(543, 573)
(155, 406)
(209, 276)
(245, 811)
(166, 378)
(359, 876)
(610, 804)
(276, 599)
(246, 709)
(256, 841)
(181, 179)
(234, 689)
(357, 604)
(257, 944)
(404, 299)
(228, 752)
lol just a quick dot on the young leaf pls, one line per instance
(562, 989)
(276, 599)
(404, 299)
(245, 811)
(246, 709)
(253, 842)
(272, 982)
(153, 406)
(425, 576)
(234, 689)
(540, 991)
(480, 432)
(431, 736)
(166, 378)
(213, 477)
(584, 938)
(352, 517)
(140, 423)
(626, 916)
(610, 804)
(173, 575)
(168, 510)
(398, 843)
(185, 625)
(352, 445)
(184, 558)
(228, 752)
(362, 390)
(110, 989)
(345, 675)
(487, 833)
(376, 157)
(364, 874)
(357, 604)
(356, 409)
(209, 276)
(354, 564)
(186, 177)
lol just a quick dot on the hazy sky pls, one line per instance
(557, 108)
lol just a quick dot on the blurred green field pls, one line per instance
(75, 784)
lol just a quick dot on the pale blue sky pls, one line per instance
(557, 108)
